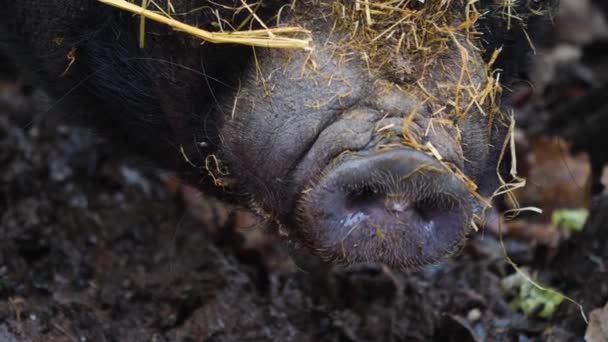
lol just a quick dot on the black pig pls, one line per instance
(339, 145)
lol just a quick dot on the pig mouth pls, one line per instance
(401, 208)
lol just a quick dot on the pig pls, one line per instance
(360, 148)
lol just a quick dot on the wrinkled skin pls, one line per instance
(294, 140)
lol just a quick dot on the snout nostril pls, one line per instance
(362, 198)
(428, 209)
(369, 199)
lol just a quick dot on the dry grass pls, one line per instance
(281, 37)
(420, 42)
(415, 41)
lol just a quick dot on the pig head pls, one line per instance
(362, 148)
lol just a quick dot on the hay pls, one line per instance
(432, 34)
(392, 36)
(142, 26)
(281, 37)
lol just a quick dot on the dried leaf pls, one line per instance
(556, 178)
(597, 330)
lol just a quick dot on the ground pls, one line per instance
(100, 246)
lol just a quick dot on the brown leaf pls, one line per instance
(555, 178)
(536, 233)
(597, 330)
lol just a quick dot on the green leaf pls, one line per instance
(531, 297)
(572, 220)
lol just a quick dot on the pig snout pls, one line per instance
(341, 180)
(400, 207)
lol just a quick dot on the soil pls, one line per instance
(97, 246)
